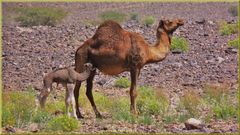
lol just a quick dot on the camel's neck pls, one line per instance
(160, 50)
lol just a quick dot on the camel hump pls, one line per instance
(110, 24)
(107, 30)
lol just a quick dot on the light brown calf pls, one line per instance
(65, 76)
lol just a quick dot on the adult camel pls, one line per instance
(114, 50)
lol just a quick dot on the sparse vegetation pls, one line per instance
(233, 10)
(218, 98)
(112, 15)
(190, 102)
(34, 16)
(134, 16)
(149, 20)
(227, 29)
(234, 43)
(179, 43)
(150, 104)
(122, 82)
(63, 123)
(18, 108)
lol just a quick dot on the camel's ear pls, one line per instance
(160, 25)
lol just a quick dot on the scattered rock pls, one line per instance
(176, 51)
(231, 50)
(220, 60)
(193, 124)
(10, 129)
(33, 127)
(200, 21)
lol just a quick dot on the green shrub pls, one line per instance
(18, 108)
(53, 106)
(233, 10)
(183, 117)
(102, 101)
(190, 102)
(219, 100)
(150, 104)
(149, 20)
(179, 43)
(41, 117)
(145, 119)
(63, 123)
(170, 118)
(225, 109)
(34, 16)
(122, 82)
(134, 16)
(228, 29)
(234, 43)
(112, 15)
(120, 110)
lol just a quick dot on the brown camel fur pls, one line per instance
(114, 50)
(64, 76)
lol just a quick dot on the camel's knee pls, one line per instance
(133, 93)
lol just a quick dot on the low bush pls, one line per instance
(219, 100)
(122, 82)
(149, 20)
(34, 16)
(233, 10)
(41, 117)
(63, 123)
(145, 119)
(120, 110)
(112, 15)
(134, 16)
(227, 29)
(150, 104)
(234, 43)
(18, 108)
(103, 102)
(179, 43)
(190, 102)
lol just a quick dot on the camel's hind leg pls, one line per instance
(89, 93)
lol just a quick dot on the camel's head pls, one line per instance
(88, 66)
(169, 26)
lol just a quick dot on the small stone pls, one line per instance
(200, 21)
(220, 60)
(176, 51)
(10, 129)
(193, 124)
(33, 127)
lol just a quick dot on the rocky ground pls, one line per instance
(30, 52)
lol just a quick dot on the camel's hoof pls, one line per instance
(79, 116)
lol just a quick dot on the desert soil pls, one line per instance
(30, 52)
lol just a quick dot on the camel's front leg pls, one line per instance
(133, 90)
(89, 93)
(72, 100)
(43, 96)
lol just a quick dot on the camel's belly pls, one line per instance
(112, 70)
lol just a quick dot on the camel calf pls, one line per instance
(63, 76)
